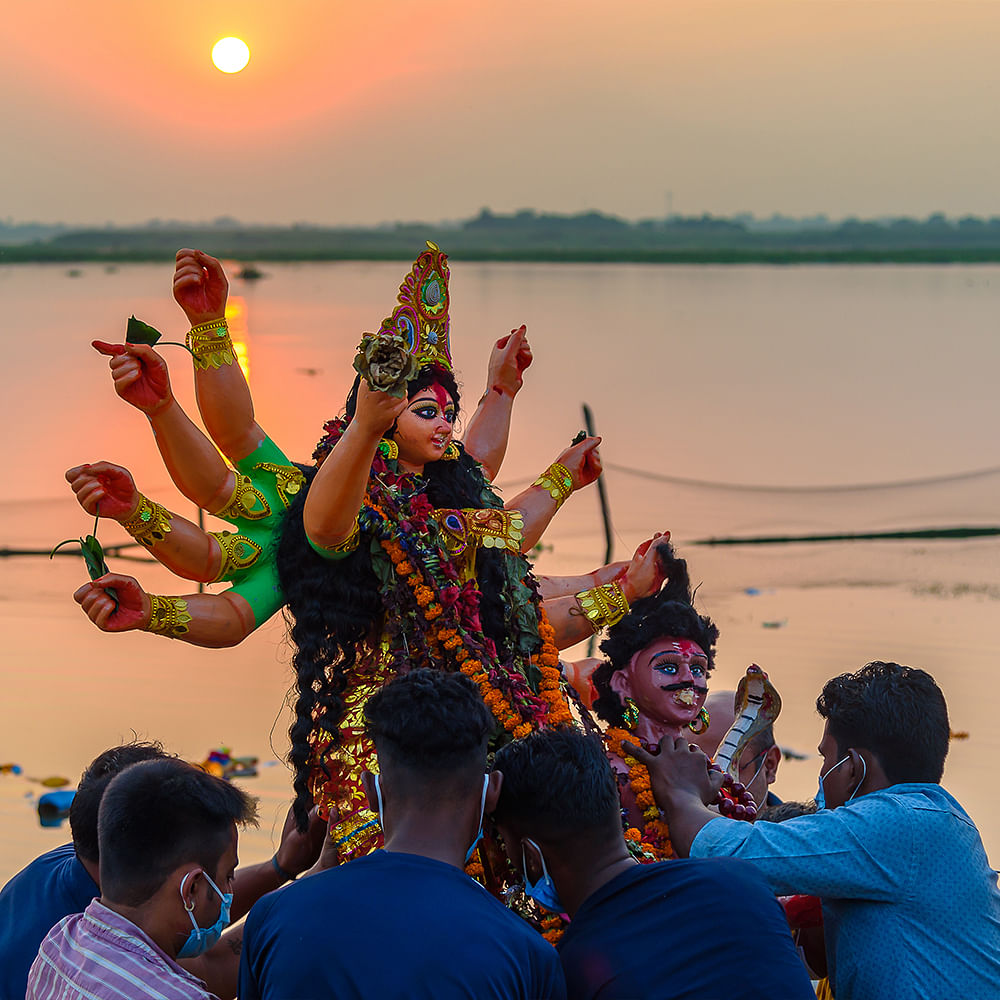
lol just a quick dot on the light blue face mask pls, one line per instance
(543, 891)
(482, 809)
(202, 938)
(821, 794)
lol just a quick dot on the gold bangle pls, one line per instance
(604, 606)
(150, 523)
(557, 482)
(210, 344)
(246, 502)
(168, 616)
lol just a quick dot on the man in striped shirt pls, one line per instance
(167, 837)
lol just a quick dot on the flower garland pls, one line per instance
(652, 842)
(450, 630)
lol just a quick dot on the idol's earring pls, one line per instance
(700, 722)
(451, 452)
(388, 449)
(631, 714)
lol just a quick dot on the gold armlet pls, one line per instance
(150, 523)
(210, 344)
(168, 616)
(287, 480)
(246, 502)
(239, 553)
(604, 606)
(350, 543)
(557, 482)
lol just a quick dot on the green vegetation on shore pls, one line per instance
(536, 237)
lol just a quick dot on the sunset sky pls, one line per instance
(399, 109)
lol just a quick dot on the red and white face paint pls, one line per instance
(424, 429)
(668, 682)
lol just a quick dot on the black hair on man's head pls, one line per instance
(94, 780)
(430, 723)
(668, 612)
(158, 815)
(557, 785)
(899, 713)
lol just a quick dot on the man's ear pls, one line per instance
(532, 860)
(190, 883)
(771, 761)
(493, 791)
(621, 684)
(859, 770)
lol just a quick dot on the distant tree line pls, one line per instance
(529, 235)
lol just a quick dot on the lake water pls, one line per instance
(732, 401)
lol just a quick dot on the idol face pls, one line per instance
(424, 429)
(666, 680)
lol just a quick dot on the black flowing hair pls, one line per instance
(333, 606)
(668, 612)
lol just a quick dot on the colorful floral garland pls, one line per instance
(652, 842)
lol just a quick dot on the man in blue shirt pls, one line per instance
(62, 881)
(406, 921)
(676, 930)
(910, 904)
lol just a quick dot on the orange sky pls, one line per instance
(398, 109)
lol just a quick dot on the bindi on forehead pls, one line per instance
(683, 646)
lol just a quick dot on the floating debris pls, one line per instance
(222, 764)
(53, 807)
(10, 768)
(775, 624)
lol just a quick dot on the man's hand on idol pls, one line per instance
(678, 772)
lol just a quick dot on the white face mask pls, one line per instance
(482, 811)
(821, 794)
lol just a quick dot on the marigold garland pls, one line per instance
(654, 837)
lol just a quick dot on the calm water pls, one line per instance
(766, 377)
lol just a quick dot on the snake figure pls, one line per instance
(757, 705)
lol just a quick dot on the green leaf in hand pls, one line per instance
(93, 556)
(138, 332)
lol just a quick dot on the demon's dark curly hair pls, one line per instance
(668, 612)
(332, 607)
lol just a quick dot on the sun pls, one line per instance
(230, 54)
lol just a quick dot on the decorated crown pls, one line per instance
(416, 333)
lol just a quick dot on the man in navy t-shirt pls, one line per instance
(669, 931)
(406, 921)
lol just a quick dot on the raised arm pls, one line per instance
(107, 490)
(201, 289)
(197, 469)
(578, 466)
(331, 508)
(576, 617)
(489, 427)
